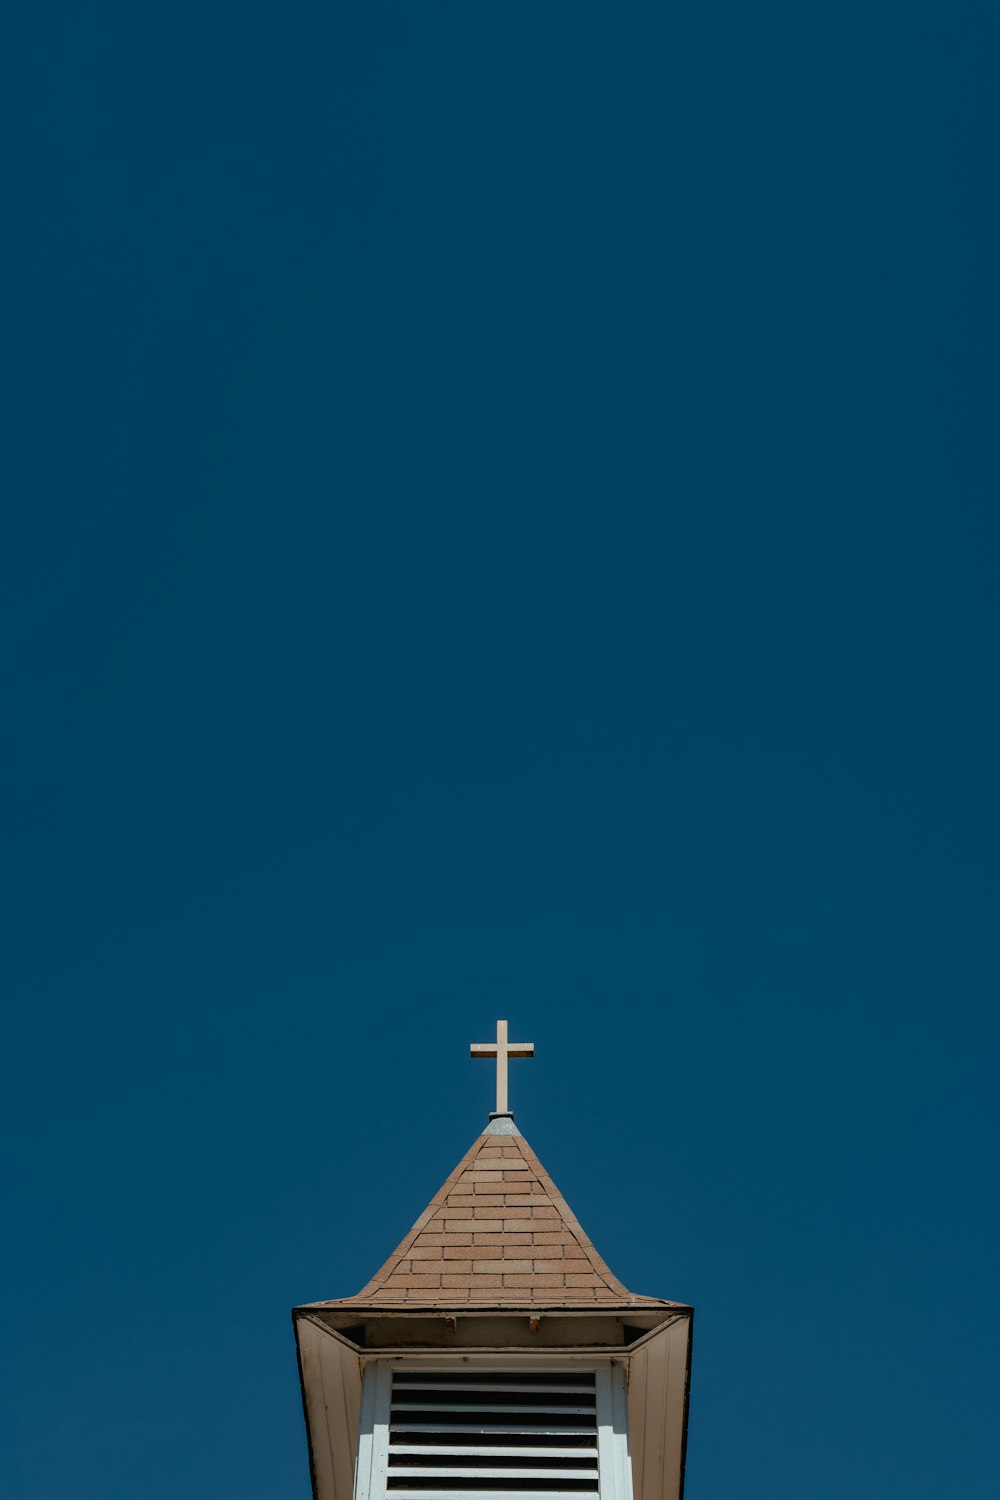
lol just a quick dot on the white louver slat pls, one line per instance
(492, 1435)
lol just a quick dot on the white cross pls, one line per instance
(501, 1049)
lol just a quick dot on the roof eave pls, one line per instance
(523, 1307)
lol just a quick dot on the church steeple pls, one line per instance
(495, 1351)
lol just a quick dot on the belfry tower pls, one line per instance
(495, 1355)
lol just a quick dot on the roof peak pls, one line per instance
(497, 1234)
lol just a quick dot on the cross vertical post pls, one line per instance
(502, 1049)
(501, 1067)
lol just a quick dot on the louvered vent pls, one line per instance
(492, 1434)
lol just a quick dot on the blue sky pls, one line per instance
(503, 524)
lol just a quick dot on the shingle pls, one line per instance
(548, 1279)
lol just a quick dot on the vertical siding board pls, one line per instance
(343, 1457)
(311, 1347)
(623, 1466)
(673, 1416)
(637, 1418)
(605, 1435)
(657, 1392)
(350, 1368)
(373, 1436)
(656, 1380)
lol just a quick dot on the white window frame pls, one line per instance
(614, 1464)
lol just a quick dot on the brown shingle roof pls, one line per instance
(499, 1233)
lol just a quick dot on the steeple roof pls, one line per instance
(497, 1234)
